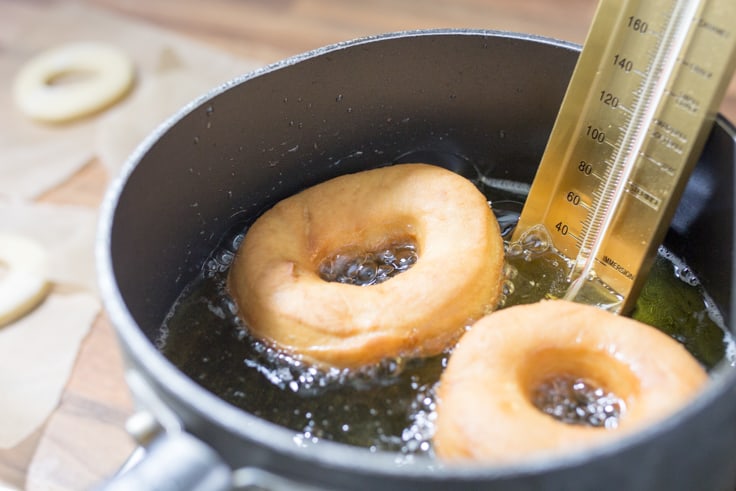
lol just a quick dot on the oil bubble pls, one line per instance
(536, 240)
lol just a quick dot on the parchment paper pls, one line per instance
(38, 352)
(36, 356)
(68, 234)
(35, 157)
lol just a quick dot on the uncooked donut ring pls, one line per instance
(23, 276)
(485, 411)
(104, 74)
(456, 278)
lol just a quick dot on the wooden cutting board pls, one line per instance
(84, 440)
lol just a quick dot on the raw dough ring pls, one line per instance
(23, 281)
(484, 411)
(455, 280)
(105, 75)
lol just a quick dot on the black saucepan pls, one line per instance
(449, 97)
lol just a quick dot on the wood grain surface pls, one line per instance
(84, 440)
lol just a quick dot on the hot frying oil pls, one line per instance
(390, 406)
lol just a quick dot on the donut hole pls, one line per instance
(578, 386)
(364, 266)
(69, 76)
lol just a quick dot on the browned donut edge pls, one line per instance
(484, 409)
(420, 312)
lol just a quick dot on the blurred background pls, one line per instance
(179, 48)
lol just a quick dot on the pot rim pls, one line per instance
(211, 408)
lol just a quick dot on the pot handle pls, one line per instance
(175, 462)
(170, 459)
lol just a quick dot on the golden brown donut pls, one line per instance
(484, 404)
(456, 279)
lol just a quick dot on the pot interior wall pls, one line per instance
(456, 100)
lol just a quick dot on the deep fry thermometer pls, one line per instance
(637, 112)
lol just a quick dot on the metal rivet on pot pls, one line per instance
(143, 427)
